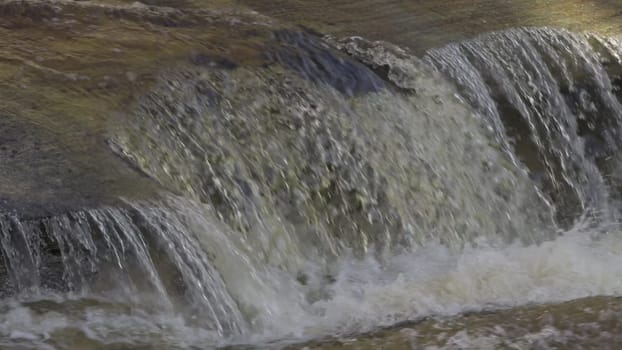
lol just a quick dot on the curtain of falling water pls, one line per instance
(551, 99)
(140, 253)
(322, 165)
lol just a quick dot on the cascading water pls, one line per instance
(551, 97)
(296, 160)
(343, 186)
(136, 254)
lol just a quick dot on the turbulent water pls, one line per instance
(342, 187)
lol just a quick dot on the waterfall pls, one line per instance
(340, 186)
(142, 254)
(301, 165)
(553, 99)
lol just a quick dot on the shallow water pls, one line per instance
(425, 24)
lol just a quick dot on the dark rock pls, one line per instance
(314, 60)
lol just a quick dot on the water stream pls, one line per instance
(343, 186)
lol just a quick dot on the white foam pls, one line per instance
(363, 294)
(435, 280)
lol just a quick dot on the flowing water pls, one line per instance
(346, 194)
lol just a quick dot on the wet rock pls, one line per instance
(313, 59)
(215, 62)
(69, 70)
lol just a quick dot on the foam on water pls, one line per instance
(350, 296)
(434, 280)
